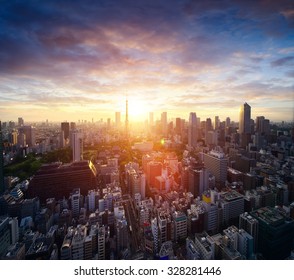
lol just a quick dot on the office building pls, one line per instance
(101, 242)
(205, 246)
(65, 129)
(216, 162)
(122, 235)
(30, 134)
(117, 119)
(20, 121)
(192, 253)
(164, 123)
(232, 204)
(216, 122)
(198, 181)
(180, 225)
(77, 244)
(75, 202)
(77, 145)
(192, 131)
(250, 225)
(244, 119)
(57, 180)
(154, 169)
(275, 233)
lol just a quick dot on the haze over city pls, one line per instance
(147, 130)
(80, 59)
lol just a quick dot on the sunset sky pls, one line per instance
(70, 60)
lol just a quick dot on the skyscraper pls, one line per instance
(198, 181)
(65, 128)
(164, 123)
(77, 145)
(117, 119)
(216, 162)
(20, 121)
(192, 130)
(216, 122)
(30, 134)
(244, 119)
(2, 186)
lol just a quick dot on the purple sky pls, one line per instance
(70, 60)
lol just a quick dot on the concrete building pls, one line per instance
(180, 225)
(198, 181)
(77, 244)
(232, 204)
(216, 162)
(65, 129)
(154, 169)
(205, 245)
(192, 131)
(244, 119)
(250, 225)
(192, 253)
(275, 233)
(77, 145)
(75, 202)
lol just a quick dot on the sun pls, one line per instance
(138, 110)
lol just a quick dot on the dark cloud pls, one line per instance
(288, 60)
(35, 36)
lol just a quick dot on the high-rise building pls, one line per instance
(244, 119)
(122, 235)
(154, 169)
(57, 180)
(73, 126)
(216, 162)
(77, 145)
(275, 233)
(178, 125)
(20, 121)
(75, 202)
(164, 123)
(117, 119)
(228, 122)
(101, 243)
(65, 128)
(198, 181)
(93, 197)
(30, 134)
(205, 245)
(250, 225)
(216, 122)
(180, 225)
(2, 185)
(232, 204)
(192, 130)
(77, 245)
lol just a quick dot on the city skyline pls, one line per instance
(63, 60)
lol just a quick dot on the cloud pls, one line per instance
(87, 53)
(288, 60)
